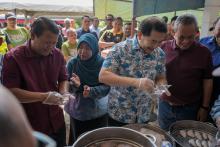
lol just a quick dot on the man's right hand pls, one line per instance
(54, 98)
(145, 84)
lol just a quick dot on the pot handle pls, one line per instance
(151, 137)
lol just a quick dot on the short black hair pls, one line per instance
(42, 24)
(85, 16)
(165, 18)
(152, 23)
(93, 18)
(173, 18)
(109, 15)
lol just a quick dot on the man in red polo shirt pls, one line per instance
(189, 67)
(35, 73)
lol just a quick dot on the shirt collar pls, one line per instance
(83, 31)
(175, 46)
(136, 46)
(211, 40)
(135, 43)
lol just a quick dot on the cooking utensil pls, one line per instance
(118, 134)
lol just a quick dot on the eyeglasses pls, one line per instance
(109, 19)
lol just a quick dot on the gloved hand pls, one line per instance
(145, 84)
(67, 97)
(159, 90)
(54, 98)
(164, 89)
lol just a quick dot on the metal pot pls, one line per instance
(111, 134)
(157, 132)
(43, 140)
(186, 125)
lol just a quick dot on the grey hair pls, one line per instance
(185, 19)
(66, 20)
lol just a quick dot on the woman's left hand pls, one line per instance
(86, 91)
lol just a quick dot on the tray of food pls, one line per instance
(188, 133)
(154, 133)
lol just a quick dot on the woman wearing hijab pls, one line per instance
(89, 110)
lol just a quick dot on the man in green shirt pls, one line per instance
(69, 47)
(17, 35)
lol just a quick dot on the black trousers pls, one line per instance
(80, 127)
(60, 136)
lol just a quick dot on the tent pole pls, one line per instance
(133, 19)
(93, 7)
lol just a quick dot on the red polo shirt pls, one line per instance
(186, 70)
(22, 68)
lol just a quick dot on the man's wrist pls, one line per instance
(64, 92)
(135, 82)
(205, 107)
(43, 96)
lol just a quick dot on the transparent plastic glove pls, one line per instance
(54, 98)
(160, 89)
(67, 97)
(146, 85)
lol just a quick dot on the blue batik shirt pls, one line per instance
(211, 44)
(128, 104)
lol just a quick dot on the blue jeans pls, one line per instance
(169, 114)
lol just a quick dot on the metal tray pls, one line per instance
(155, 129)
(190, 125)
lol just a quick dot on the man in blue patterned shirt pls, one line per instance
(132, 68)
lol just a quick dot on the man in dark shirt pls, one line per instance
(213, 44)
(109, 24)
(111, 37)
(189, 67)
(85, 27)
(35, 73)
